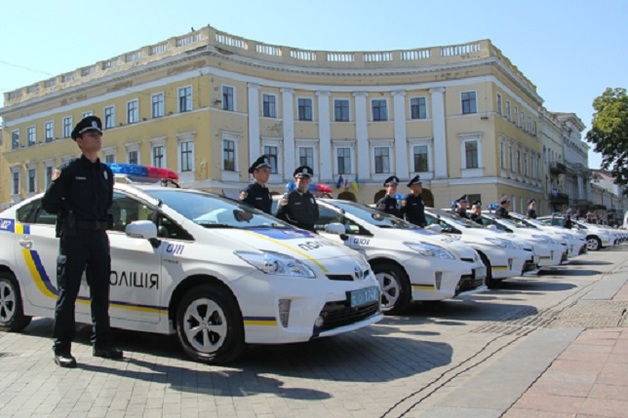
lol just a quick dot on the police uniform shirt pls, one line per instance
(389, 205)
(531, 213)
(257, 196)
(299, 209)
(83, 187)
(462, 212)
(501, 212)
(476, 218)
(413, 209)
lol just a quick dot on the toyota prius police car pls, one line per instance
(217, 273)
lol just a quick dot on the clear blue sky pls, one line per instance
(570, 49)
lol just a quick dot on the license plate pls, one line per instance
(363, 296)
(479, 272)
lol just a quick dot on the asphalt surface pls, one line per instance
(484, 356)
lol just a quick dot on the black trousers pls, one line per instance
(84, 251)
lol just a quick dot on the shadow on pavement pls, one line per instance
(589, 263)
(572, 272)
(461, 312)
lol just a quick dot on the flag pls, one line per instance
(355, 185)
(339, 182)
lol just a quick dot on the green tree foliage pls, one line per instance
(609, 132)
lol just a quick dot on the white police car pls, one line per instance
(216, 273)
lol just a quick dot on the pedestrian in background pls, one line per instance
(257, 194)
(531, 213)
(389, 203)
(413, 207)
(81, 194)
(299, 206)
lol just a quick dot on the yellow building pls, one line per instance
(206, 104)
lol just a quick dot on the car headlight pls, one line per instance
(278, 264)
(504, 243)
(430, 250)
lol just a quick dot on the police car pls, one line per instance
(216, 273)
(575, 238)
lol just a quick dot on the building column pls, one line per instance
(324, 134)
(401, 142)
(440, 132)
(253, 112)
(288, 132)
(362, 136)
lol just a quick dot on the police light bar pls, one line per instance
(139, 172)
(313, 187)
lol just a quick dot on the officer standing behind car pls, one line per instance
(81, 194)
(476, 212)
(299, 207)
(257, 194)
(531, 214)
(389, 203)
(461, 207)
(502, 211)
(412, 207)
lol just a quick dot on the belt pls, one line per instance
(91, 225)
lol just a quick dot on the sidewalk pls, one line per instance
(588, 379)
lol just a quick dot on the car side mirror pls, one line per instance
(141, 229)
(335, 228)
(435, 228)
(492, 227)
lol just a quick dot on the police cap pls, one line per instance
(303, 171)
(261, 162)
(531, 201)
(504, 200)
(477, 203)
(415, 180)
(463, 198)
(89, 123)
(391, 180)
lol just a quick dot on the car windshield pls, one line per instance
(213, 211)
(512, 223)
(455, 218)
(372, 216)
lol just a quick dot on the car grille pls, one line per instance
(467, 282)
(347, 277)
(338, 314)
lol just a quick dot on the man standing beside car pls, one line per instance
(257, 194)
(299, 207)
(412, 207)
(81, 194)
(389, 203)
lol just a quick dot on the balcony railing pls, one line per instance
(558, 168)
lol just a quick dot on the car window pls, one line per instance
(446, 228)
(25, 213)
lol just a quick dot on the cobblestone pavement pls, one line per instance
(491, 354)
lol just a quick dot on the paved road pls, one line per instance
(471, 357)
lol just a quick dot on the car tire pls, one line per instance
(489, 281)
(12, 316)
(593, 243)
(209, 325)
(395, 287)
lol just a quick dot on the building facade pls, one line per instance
(208, 103)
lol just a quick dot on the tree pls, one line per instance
(609, 132)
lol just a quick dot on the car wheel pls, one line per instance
(12, 316)
(593, 243)
(489, 281)
(209, 325)
(395, 288)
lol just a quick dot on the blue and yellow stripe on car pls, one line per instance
(266, 321)
(499, 268)
(423, 287)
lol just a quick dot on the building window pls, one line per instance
(185, 99)
(49, 134)
(272, 152)
(529, 125)
(341, 110)
(133, 111)
(380, 112)
(344, 160)
(228, 155)
(157, 105)
(305, 109)
(418, 108)
(471, 154)
(525, 164)
(133, 157)
(510, 158)
(15, 139)
(502, 155)
(420, 158)
(158, 156)
(48, 176)
(110, 158)
(468, 102)
(31, 136)
(32, 180)
(227, 98)
(110, 117)
(515, 114)
(499, 104)
(306, 156)
(15, 185)
(382, 160)
(507, 110)
(269, 106)
(518, 161)
(522, 120)
(67, 126)
(88, 113)
(186, 153)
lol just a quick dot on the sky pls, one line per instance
(572, 50)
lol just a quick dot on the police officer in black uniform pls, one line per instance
(412, 207)
(389, 203)
(531, 214)
(461, 206)
(257, 194)
(81, 193)
(299, 207)
(476, 212)
(502, 211)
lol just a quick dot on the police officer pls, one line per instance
(299, 207)
(81, 194)
(257, 194)
(461, 206)
(502, 211)
(568, 223)
(412, 207)
(531, 213)
(476, 212)
(389, 203)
